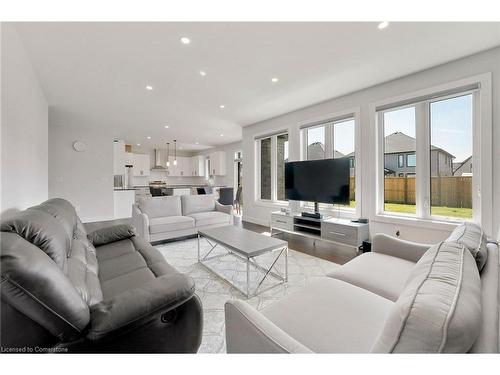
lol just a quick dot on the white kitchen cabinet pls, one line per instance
(198, 166)
(218, 163)
(142, 164)
(118, 158)
(181, 191)
(123, 201)
(182, 168)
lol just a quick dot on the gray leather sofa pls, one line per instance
(402, 297)
(163, 218)
(64, 290)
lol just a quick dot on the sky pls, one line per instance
(451, 127)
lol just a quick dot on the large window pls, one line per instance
(273, 154)
(436, 137)
(332, 139)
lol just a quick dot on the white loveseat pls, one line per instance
(163, 218)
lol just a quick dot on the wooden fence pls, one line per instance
(453, 191)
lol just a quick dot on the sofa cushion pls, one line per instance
(381, 274)
(192, 204)
(42, 230)
(472, 237)
(440, 309)
(161, 206)
(210, 218)
(170, 223)
(331, 316)
(128, 264)
(62, 211)
(82, 270)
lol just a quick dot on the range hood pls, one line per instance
(158, 161)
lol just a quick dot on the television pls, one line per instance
(318, 181)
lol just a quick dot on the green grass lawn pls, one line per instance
(464, 213)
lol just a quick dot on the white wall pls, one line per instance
(24, 128)
(488, 61)
(84, 178)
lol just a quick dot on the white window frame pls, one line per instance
(336, 117)
(482, 182)
(274, 165)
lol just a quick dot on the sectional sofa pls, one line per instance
(66, 290)
(403, 297)
(163, 218)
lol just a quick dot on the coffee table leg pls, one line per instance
(198, 247)
(286, 264)
(248, 277)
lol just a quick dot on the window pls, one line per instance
(265, 168)
(316, 143)
(451, 124)
(437, 133)
(332, 139)
(401, 161)
(281, 159)
(411, 160)
(399, 136)
(272, 154)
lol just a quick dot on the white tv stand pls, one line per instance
(335, 230)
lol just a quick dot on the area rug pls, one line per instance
(214, 291)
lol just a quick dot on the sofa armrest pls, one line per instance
(135, 307)
(412, 251)
(248, 331)
(140, 221)
(228, 209)
(111, 234)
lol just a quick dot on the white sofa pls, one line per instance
(402, 297)
(163, 218)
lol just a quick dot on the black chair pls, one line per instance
(226, 196)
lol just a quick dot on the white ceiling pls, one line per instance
(100, 70)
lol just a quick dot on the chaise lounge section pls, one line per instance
(107, 291)
(403, 297)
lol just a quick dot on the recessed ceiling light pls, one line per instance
(149, 87)
(202, 73)
(222, 135)
(138, 144)
(185, 40)
(383, 25)
(197, 143)
(166, 126)
(149, 137)
(222, 106)
(274, 80)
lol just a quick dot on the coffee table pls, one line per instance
(247, 246)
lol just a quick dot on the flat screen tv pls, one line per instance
(319, 181)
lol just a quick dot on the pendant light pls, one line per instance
(175, 152)
(168, 154)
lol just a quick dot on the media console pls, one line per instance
(339, 231)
